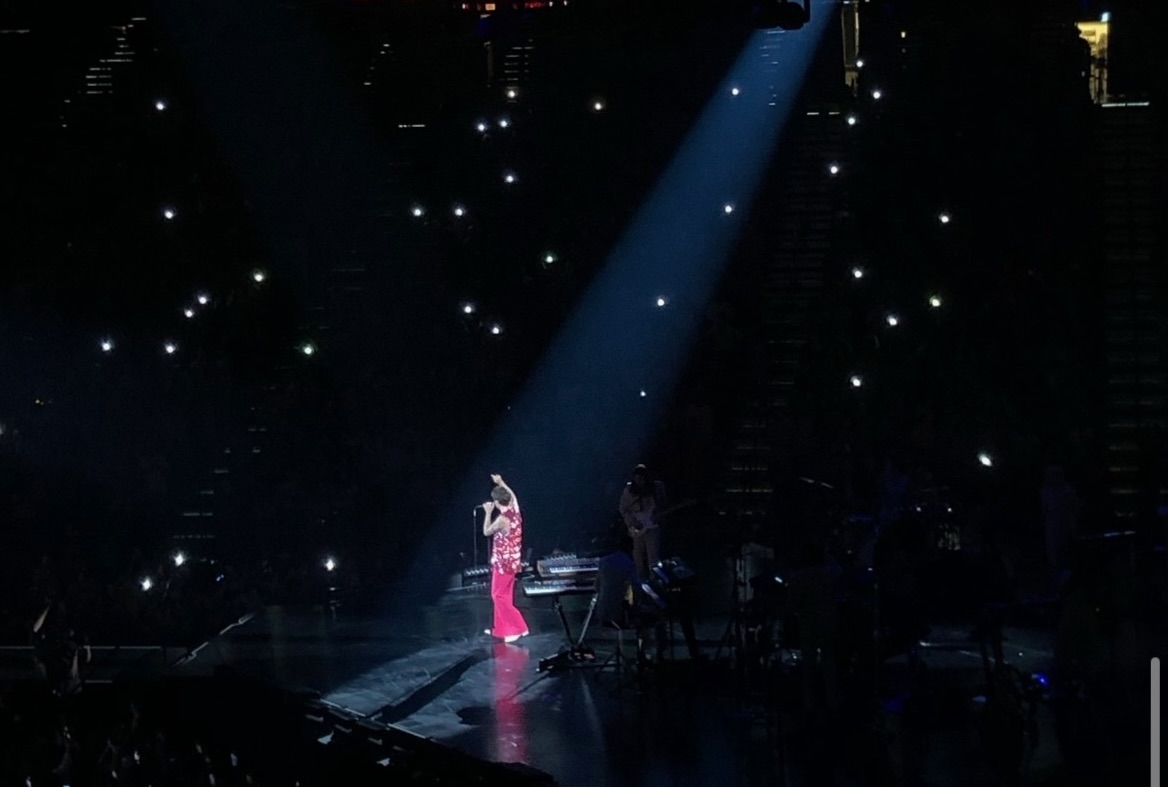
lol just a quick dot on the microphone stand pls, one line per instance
(474, 536)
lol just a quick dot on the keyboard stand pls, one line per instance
(576, 654)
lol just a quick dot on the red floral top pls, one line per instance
(506, 549)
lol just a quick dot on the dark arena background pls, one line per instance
(876, 292)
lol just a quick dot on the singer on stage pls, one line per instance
(503, 520)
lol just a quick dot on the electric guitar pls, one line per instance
(645, 519)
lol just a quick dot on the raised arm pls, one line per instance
(498, 479)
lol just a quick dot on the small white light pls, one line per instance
(107, 345)
(852, 120)
(985, 459)
(549, 258)
(661, 300)
(417, 211)
(330, 564)
(860, 63)
(496, 329)
(188, 312)
(168, 213)
(481, 127)
(904, 34)
(877, 94)
(504, 123)
(468, 308)
(160, 105)
(727, 208)
(892, 320)
(170, 348)
(834, 169)
(857, 273)
(146, 583)
(935, 301)
(734, 91)
(944, 218)
(179, 558)
(856, 380)
(459, 211)
(512, 93)
(1105, 16)
(258, 276)
(509, 177)
(597, 106)
(643, 394)
(308, 348)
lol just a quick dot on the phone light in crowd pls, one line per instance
(496, 329)
(330, 564)
(308, 348)
(504, 122)
(170, 348)
(509, 177)
(662, 301)
(481, 127)
(856, 380)
(860, 63)
(877, 94)
(833, 168)
(188, 312)
(985, 459)
(459, 211)
(597, 106)
(904, 34)
(1105, 16)
(852, 120)
(258, 276)
(417, 211)
(549, 258)
(179, 558)
(735, 91)
(146, 583)
(935, 301)
(107, 345)
(512, 93)
(203, 298)
(727, 208)
(892, 320)
(857, 273)
(643, 393)
(168, 213)
(160, 105)
(944, 218)
(468, 308)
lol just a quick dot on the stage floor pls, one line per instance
(438, 676)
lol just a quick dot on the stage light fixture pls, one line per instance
(852, 120)
(107, 345)
(170, 348)
(856, 381)
(146, 583)
(160, 105)
(258, 276)
(727, 208)
(892, 320)
(643, 393)
(935, 301)
(985, 459)
(661, 301)
(179, 558)
(782, 14)
(735, 91)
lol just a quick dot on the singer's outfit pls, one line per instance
(506, 562)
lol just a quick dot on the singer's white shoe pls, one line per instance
(512, 638)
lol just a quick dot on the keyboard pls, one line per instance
(537, 588)
(565, 566)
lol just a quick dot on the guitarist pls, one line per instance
(641, 502)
